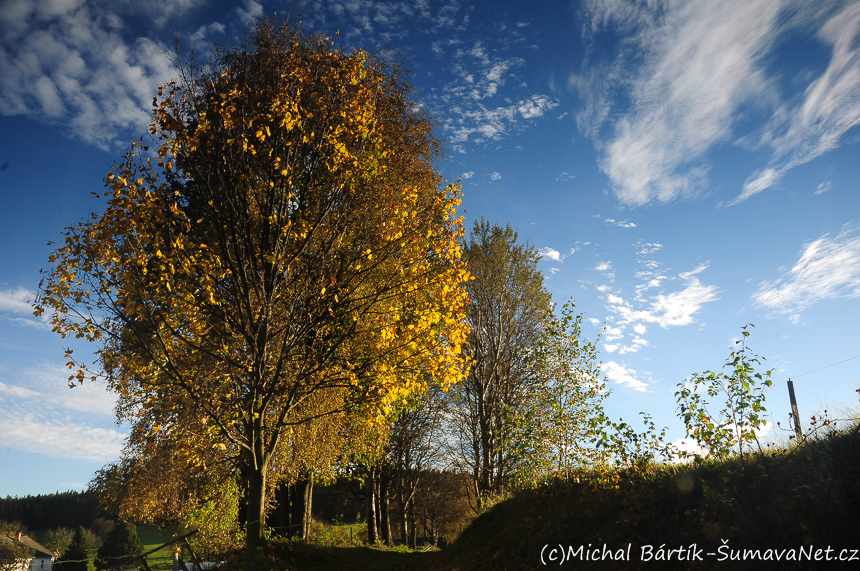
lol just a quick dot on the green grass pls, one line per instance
(151, 538)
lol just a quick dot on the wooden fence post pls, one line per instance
(794, 412)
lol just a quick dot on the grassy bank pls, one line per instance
(787, 503)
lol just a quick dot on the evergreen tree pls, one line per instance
(120, 549)
(75, 557)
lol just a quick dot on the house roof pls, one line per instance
(38, 549)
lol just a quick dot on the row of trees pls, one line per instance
(44, 511)
(281, 289)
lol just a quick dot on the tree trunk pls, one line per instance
(377, 505)
(413, 535)
(280, 518)
(300, 509)
(370, 502)
(256, 506)
(401, 499)
(385, 520)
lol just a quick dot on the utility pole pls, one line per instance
(794, 412)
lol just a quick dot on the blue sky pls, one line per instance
(685, 167)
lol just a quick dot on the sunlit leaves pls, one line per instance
(722, 428)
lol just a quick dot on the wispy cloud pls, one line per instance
(803, 130)
(828, 268)
(15, 307)
(16, 300)
(251, 10)
(40, 413)
(691, 65)
(62, 439)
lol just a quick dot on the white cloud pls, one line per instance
(251, 11)
(61, 439)
(640, 329)
(495, 176)
(553, 254)
(536, 106)
(603, 266)
(467, 175)
(758, 182)
(690, 446)
(667, 310)
(696, 63)
(67, 63)
(620, 223)
(829, 107)
(594, 321)
(40, 413)
(827, 269)
(16, 301)
(46, 388)
(623, 375)
(698, 270)
(613, 333)
(822, 188)
(646, 248)
(550, 254)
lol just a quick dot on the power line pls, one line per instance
(819, 369)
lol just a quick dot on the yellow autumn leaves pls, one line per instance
(290, 265)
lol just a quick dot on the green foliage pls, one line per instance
(560, 426)
(11, 552)
(723, 430)
(76, 556)
(635, 450)
(59, 539)
(216, 521)
(120, 549)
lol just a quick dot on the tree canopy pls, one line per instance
(507, 308)
(287, 252)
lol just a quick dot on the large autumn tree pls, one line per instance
(286, 252)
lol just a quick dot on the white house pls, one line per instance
(42, 559)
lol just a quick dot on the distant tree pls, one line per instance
(507, 310)
(76, 555)
(59, 539)
(102, 527)
(562, 426)
(441, 505)
(120, 549)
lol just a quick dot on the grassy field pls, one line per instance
(151, 538)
